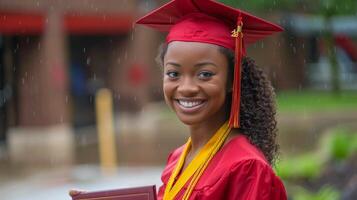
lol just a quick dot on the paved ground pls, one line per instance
(55, 184)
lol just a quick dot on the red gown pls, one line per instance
(238, 171)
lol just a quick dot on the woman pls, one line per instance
(227, 103)
(224, 99)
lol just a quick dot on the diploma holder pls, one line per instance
(137, 193)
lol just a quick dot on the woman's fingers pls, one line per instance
(75, 192)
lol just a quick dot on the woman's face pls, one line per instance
(194, 84)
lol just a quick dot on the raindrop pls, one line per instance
(94, 76)
(84, 49)
(118, 60)
(23, 81)
(66, 99)
(88, 60)
(34, 113)
(262, 45)
(39, 46)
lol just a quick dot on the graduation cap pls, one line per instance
(208, 21)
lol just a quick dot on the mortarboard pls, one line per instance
(211, 22)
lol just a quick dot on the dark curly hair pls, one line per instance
(257, 109)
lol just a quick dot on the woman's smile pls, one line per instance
(190, 105)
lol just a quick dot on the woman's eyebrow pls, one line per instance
(173, 63)
(205, 63)
(196, 65)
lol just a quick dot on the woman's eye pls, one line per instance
(205, 75)
(172, 74)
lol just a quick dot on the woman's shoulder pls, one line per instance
(240, 165)
(239, 149)
(238, 158)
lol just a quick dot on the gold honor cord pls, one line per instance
(197, 166)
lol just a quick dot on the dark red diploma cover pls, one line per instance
(137, 193)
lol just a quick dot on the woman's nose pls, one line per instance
(187, 87)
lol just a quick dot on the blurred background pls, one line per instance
(57, 56)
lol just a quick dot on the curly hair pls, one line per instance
(257, 107)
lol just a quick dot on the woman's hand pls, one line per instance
(75, 192)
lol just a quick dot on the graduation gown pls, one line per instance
(238, 171)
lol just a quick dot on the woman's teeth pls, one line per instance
(189, 104)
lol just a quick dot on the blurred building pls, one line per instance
(308, 33)
(54, 55)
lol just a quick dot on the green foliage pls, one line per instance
(334, 7)
(325, 7)
(325, 193)
(340, 144)
(260, 5)
(315, 101)
(296, 167)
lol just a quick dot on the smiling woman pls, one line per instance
(195, 78)
(223, 97)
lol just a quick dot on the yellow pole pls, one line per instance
(105, 127)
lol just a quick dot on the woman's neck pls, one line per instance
(202, 133)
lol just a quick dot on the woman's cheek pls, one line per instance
(168, 92)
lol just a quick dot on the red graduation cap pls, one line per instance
(211, 22)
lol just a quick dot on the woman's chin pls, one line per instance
(190, 121)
